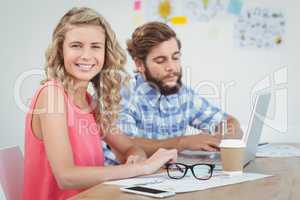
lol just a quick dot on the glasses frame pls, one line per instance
(191, 167)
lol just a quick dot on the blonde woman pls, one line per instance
(65, 126)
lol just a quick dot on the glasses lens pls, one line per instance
(176, 170)
(202, 171)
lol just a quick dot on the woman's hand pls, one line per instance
(158, 159)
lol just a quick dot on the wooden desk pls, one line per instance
(284, 185)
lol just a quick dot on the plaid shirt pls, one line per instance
(147, 113)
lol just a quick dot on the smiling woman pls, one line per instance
(68, 35)
(63, 152)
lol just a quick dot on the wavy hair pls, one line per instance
(108, 82)
(147, 36)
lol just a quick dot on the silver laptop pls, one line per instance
(254, 131)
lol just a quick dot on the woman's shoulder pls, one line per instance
(50, 92)
(51, 87)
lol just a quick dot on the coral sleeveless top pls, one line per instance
(39, 181)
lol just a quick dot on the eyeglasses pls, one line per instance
(200, 171)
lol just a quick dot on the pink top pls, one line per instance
(39, 181)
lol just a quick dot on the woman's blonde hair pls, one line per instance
(107, 83)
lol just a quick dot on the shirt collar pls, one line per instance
(144, 89)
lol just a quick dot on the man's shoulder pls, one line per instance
(134, 82)
(186, 90)
(132, 89)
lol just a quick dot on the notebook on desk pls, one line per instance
(254, 131)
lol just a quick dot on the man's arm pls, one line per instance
(151, 145)
(203, 141)
(193, 142)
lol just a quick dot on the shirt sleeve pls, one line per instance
(129, 115)
(204, 115)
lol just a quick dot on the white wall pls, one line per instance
(26, 28)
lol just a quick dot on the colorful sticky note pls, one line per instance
(137, 5)
(235, 6)
(205, 3)
(164, 9)
(179, 20)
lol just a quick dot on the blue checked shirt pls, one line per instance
(148, 114)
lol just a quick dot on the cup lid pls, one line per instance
(233, 143)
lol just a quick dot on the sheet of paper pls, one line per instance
(188, 183)
(271, 150)
(260, 27)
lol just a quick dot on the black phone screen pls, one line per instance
(144, 189)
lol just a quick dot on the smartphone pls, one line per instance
(147, 191)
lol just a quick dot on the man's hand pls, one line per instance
(135, 155)
(133, 159)
(232, 130)
(201, 141)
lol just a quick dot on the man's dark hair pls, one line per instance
(147, 36)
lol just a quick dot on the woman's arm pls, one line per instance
(125, 150)
(59, 152)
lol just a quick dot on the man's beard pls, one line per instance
(158, 82)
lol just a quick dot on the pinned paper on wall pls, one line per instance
(260, 28)
(179, 20)
(202, 11)
(158, 10)
(137, 5)
(205, 3)
(235, 6)
(164, 9)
